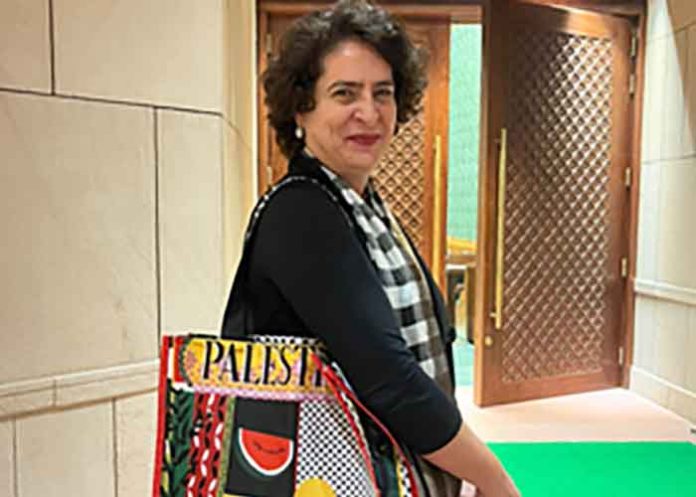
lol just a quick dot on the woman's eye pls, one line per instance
(343, 93)
(385, 93)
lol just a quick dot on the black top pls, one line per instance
(309, 275)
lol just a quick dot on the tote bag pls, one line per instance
(266, 416)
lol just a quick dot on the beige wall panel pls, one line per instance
(164, 52)
(25, 61)
(67, 453)
(676, 263)
(665, 334)
(645, 332)
(190, 207)
(77, 209)
(682, 13)
(667, 16)
(674, 94)
(648, 215)
(689, 135)
(671, 331)
(26, 396)
(654, 100)
(646, 384)
(690, 353)
(242, 60)
(683, 403)
(646, 143)
(136, 425)
(659, 23)
(236, 206)
(7, 468)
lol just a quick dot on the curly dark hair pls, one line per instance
(291, 77)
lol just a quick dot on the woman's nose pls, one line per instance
(367, 110)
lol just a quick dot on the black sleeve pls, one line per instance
(306, 247)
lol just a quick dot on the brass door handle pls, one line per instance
(437, 225)
(497, 313)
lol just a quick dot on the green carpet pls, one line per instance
(601, 469)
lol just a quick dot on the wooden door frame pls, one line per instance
(636, 120)
(492, 120)
(447, 7)
(457, 10)
(626, 8)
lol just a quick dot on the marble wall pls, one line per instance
(126, 142)
(665, 335)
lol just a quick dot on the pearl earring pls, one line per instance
(299, 133)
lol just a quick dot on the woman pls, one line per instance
(330, 261)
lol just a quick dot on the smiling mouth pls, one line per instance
(364, 140)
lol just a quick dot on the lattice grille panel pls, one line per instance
(400, 178)
(557, 206)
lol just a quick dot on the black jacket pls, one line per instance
(305, 271)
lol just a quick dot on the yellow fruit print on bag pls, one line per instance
(314, 487)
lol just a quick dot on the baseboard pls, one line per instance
(673, 397)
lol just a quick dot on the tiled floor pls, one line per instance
(609, 415)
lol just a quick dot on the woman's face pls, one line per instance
(355, 113)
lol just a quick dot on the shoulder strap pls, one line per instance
(236, 319)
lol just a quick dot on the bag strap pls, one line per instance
(236, 319)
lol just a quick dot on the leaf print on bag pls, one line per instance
(179, 425)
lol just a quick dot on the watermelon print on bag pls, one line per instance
(263, 448)
(261, 417)
(269, 455)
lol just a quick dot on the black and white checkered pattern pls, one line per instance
(327, 449)
(402, 279)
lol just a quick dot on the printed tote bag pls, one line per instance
(265, 416)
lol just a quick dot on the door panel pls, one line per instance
(406, 176)
(401, 179)
(558, 83)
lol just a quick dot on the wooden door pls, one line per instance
(555, 144)
(412, 175)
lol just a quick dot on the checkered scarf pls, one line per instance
(402, 279)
